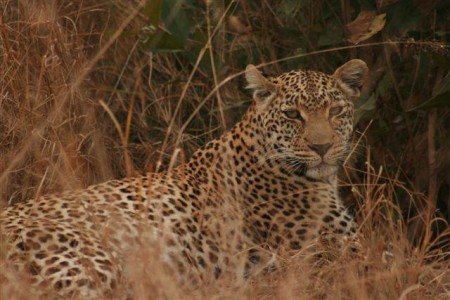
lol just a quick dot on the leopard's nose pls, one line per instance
(320, 149)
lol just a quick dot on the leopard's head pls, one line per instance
(306, 117)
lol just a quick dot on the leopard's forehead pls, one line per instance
(309, 90)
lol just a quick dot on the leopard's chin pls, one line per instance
(321, 171)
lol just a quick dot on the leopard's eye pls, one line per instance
(334, 111)
(293, 114)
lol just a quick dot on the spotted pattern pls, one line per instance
(267, 183)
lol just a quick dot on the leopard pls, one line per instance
(268, 183)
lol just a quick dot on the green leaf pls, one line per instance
(364, 107)
(384, 86)
(164, 42)
(328, 39)
(444, 85)
(170, 23)
(290, 8)
(442, 100)
(176, 20)
(153, 11)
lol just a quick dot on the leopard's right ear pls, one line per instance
(351, 76)
(263, 89)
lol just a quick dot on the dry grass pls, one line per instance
(81, 102)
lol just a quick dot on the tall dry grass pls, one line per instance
(82, 102)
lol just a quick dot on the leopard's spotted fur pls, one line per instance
(268, 182)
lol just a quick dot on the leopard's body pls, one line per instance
(269, 182)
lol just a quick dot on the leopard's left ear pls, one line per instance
(351, 76)
(263, 89)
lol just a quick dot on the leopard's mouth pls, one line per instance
(321, 171)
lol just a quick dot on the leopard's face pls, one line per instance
(307, 117)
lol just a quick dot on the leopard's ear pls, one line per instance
(351, 76)
(263, 89)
